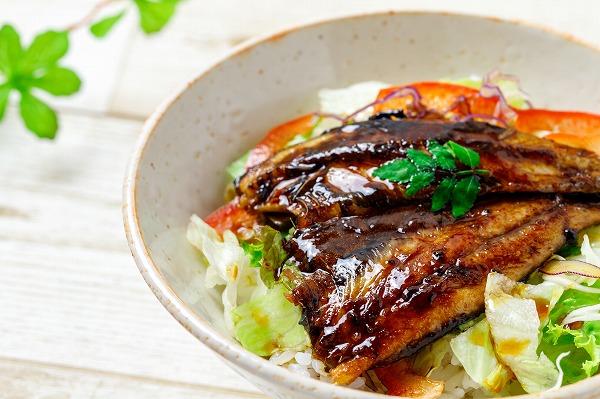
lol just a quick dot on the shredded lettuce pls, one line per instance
(505, 343)
(227, 265)
(509, 88)
(475, 351)
(568, 331)
(256, 309)
(430, 357)
(514, 320)
(266, 252)
(270, 323)
(237, 168)
(345, 101)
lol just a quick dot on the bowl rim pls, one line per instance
(201, 329)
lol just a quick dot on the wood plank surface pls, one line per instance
(24, 380)
(75, 297)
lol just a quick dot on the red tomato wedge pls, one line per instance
(230, 217)
(278, 137)
(579, 123)
(438, 96)
(568, 127)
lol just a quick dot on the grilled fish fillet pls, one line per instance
(331, 175)
(382, 287)
(384, 275)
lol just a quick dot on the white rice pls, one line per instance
(457, 383)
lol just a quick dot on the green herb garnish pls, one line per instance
(421, 169)
(35, 68)
(27, 71)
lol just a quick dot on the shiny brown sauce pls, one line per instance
(383, 275)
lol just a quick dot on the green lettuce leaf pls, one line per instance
(227, 264)
(511, 90)
(265, 251)
(512, 313)
(475, 351)
(582, 345)
(238, 167)
(270, 323)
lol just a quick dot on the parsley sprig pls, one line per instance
(421, 169)
(36, 71)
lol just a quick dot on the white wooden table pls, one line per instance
(76, 318)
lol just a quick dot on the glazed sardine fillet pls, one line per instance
(383, 274)
(331, 175)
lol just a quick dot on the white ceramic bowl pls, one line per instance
(178, 164)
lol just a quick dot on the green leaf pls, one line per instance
(4, 95)
(583, 345)
(475, 351)
(45, 51)
(569, 250)
(572, 300)
(10, 49)
(254, 252)
(270, 323)
(101, 28)
(398, 171)
(442, 194)
(238, 167)
(58, 81)
(464, 195)
(154, 15)
(465, 155)
(442, 156)
(419, 181)
(420, 159)
(38, 117)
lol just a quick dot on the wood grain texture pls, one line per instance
(74, 295)
(24, 380)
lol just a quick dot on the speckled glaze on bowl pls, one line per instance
(178, 164)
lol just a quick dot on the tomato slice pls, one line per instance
(438, 96)
(567, 127)
(580, 123)
(230, 217)
(279, 136)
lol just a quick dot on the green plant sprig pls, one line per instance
(31, 70)
(420, 169)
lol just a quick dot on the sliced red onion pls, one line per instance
(401, 92)
(502, 108)
(584, 269)
(495, 76)
(332, 116)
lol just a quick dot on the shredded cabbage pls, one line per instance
(270, 323)
(227, 265)
(475, 351)
(510, 88)
(344, 102)
(512, 312)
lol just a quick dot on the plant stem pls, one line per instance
(91, 15)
